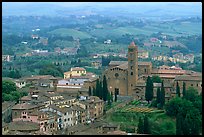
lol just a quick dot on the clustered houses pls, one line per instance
(176, 58)
(49, 111)
(77, 80)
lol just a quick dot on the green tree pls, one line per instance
(176, 105)
(109, 98)
(8, 86)
(90, 91)
(140, 127)
(191, 94)
(105, 88)
(162, 95)
(177, 89)
(100, 90)
(156, 79)
(192, 122)
(179, 120)
(184, 89)
(146, 125)
(16, 95)
(149, 90)
(51, 70)
(97, 88)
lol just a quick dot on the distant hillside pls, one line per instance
(70, 32)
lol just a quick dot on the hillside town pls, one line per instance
(57, 105)
(122, 68)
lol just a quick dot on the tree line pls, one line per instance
(102, 91)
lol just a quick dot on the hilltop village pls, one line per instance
(56, 105)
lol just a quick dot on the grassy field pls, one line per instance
(160, 123)
(173, 29)
(70, 32)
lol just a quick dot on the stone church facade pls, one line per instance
(128, 78)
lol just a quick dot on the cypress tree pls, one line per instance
(94, 91)
(162, 95)
(149, 90)
(146, 125)
(105, 88)
(179, 119)
(97, 88)
(158, 96)
(177, 89)
(184, 89)
(140, 127)
(100, 90)
(90, 91)
(109, 99)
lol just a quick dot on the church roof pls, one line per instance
(132, 44)
(116, 63)
(124, 64)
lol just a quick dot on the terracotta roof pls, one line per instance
(26, 98)
(24, 126)
(63, 110)
(124, 64)
(144, 63)
(24, 106)
(40, 77)
(78, 68)
(188, 78)
(116, 63)
(7, 104)
(36, 113)
(161, 71)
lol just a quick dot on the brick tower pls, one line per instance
(132, 67)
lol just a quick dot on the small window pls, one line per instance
(197, 85)
(66, 83)
(145, 70)
(24, 116)
(191, 84)
(131, 67)
(77, 71)
(131, 73)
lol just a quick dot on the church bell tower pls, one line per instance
(132, 67)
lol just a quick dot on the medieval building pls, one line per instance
(128, 78)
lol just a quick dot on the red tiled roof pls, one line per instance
(78, 68)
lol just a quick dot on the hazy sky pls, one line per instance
(12, 8)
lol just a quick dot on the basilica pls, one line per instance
(128, 78)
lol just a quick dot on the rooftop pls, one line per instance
(7, 104)
(36, 77)
(188, 78)
(24, 106)
(23, 126)
(78, 69)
